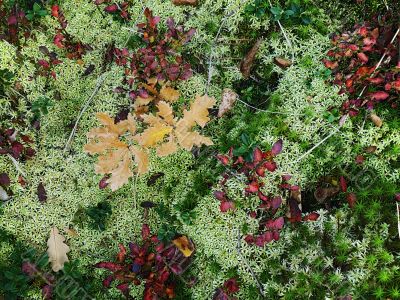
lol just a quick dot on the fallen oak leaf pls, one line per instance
(57, 250)
(228, 100)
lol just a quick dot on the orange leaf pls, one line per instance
(184, 245)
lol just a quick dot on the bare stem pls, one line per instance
(99, 83)
(243, 259)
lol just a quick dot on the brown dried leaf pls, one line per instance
(228, 100)
(247, 62)
(185, 2)
(376, 120)
(283, 63)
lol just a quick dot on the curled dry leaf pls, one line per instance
(57, 250)
(185, 2)
(41, 192)
(376, 120)
(283, 63)
(228, 100)
(248, 60)
(323, 194)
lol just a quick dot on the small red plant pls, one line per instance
(46, 66)
(16, 145)
(267, 213)
(355, 59)
(13, 22)
(152, 262)
(229, 288)
(63, 40)
(117, 9)
(158, 61)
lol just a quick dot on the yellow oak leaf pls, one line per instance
(198, 112)
(57, 250)
(184, 245)
(165, 111)
(153, 135)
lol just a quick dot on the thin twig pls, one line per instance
(284, 34)
(243, 259)
(269, 111)
(317, 145)
(16, 164)
(99, 83)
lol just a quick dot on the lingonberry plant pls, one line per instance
(148, 68)
(226, 292)
(366, 65)
(152, 262)
(46, 66)
(271, 206)
(116, 9)
(15, 144)
(63, 40)
(13, 23)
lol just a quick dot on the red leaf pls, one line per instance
(223, 159)
(343, 184)
(4, 179)
(379, 96)
(359, 159)
(277, 147)
(260, 171)
(330, 64)
(362, 57)
(252, 187)
(257, 155)
(397, 197)
(295, 212)
(377, 80)
(226, 205)
(231, 286)
(124, 288)
(103, 182)
(107, 282)
(221, 196)
(41, 192)
(12, 20)
(145, 231)
(111, 8)
(276, 202)
(262, 196)
(55, 11)
(311, 217)
(121, 254)
(113, 267)
(270, 166)
(47, 292)
(351, 199)
(276, 224)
